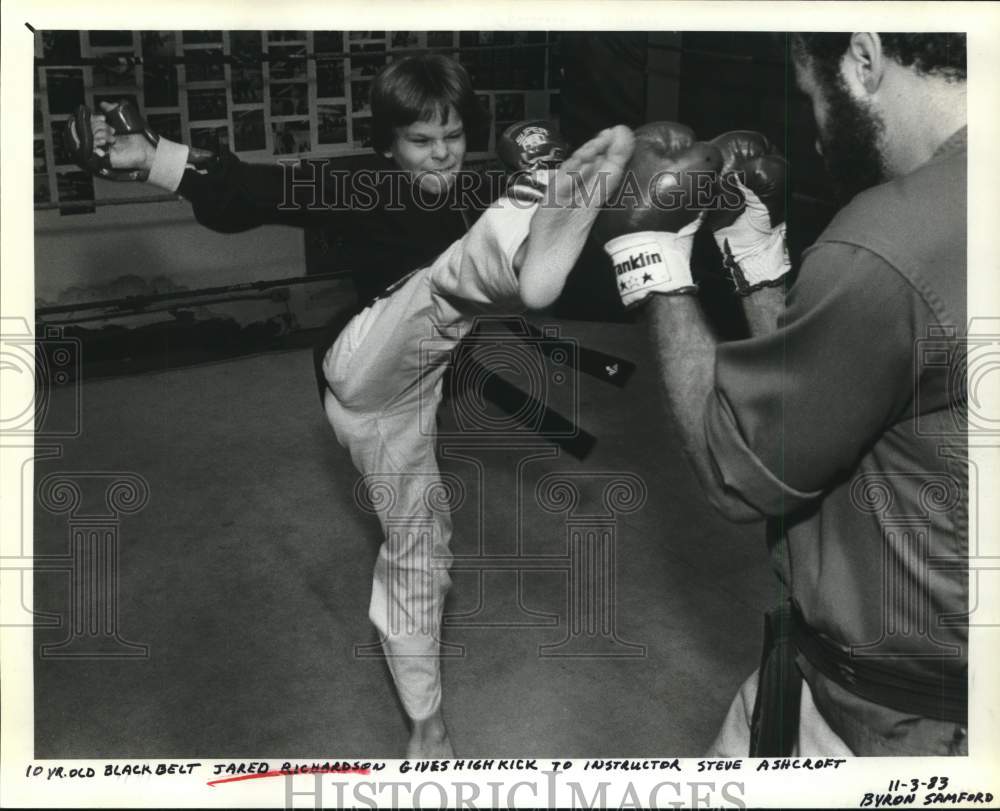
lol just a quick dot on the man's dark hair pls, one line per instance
(420, 88)
(929, 54)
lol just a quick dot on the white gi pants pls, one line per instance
(384, 385)
(815, 737)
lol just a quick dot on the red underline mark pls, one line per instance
(287, 774)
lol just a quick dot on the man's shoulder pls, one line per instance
(916, 226)
(933, 194)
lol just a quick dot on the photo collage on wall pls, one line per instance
(264, 93)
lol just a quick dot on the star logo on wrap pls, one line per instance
(646, 278)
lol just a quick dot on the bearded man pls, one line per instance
(827, 423)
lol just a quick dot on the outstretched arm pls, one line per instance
(227, 194)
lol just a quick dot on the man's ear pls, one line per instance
(865, 62)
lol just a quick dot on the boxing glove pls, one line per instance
(749, 225)
(530, 150)
(531, 145)
(125, 120)
(648, 227)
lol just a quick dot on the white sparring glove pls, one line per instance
(753, 251)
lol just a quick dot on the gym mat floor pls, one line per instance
(247, 575)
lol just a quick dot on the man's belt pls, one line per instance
(774, 726)
(939, 694)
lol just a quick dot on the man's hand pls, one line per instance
(648, 233)
(751, 235)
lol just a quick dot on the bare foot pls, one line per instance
(430, 739)
(559, 227)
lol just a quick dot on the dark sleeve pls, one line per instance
(232, 195)
(792, 412)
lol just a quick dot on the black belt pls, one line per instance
(940, 695)
(774, 727)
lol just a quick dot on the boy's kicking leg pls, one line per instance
(384, 376)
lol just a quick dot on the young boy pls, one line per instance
(383, 372)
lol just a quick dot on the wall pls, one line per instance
(159, 246)
(745, 80)
(259, 93)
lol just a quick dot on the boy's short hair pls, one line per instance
(421, 88)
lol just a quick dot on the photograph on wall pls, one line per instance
(61, 47)
(60, 153)
(286, 36)
(210, 138)
(159, 85)
(367, 59)
(75, 187)
(112, 74)
(64, 87)
(245, 45)
(42, 189)
(289, 99)
(202, 37)
(248, 130)
(247, 83)
(359, 97)
(205, 105)
(40, 158)
(204, 65)
(405, 39)
(287, 62)
(362, 132)
(332, 121)
(330, 78)
(110, 39)
(530, 37)
(440, 39)
(328, 42)
(166, 124)
(291, 137)
(159, 45)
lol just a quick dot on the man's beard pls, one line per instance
(851, 144)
